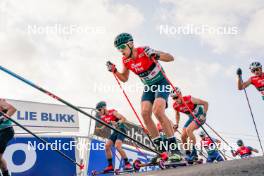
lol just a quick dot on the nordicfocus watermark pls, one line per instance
(107, 88)
(189, 146)
(59, 145)
(191, 29)
(61, 29)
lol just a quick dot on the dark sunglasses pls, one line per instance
(121, 47)
(254, 70)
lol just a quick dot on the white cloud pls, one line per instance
(254, 32)
(67, 65)
(194, 77)
(246, 16)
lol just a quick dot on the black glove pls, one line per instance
(151, 52)
(239, 72)
(2, 118)
(111, 67)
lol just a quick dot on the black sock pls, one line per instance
(110, 160)
(194, 152)
(126, 160)
(172, 140)
(172, 143)
(5, 173)
(158, 144)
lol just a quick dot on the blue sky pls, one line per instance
(72, 64)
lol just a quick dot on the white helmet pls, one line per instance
(175, 94)
(255, 65)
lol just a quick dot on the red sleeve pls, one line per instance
(188, 99)
(250, 79)
(237, 152)
(123, 62)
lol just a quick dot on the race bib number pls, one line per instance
(152, 74)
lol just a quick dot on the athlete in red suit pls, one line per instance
(257, 80)
(139, 60)
(243, 151)
(112, 117)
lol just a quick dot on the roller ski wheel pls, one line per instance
(161, 164)
(93, 173)
(117, 172)
(137, 165)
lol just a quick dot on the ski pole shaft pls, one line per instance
(44, 141)
(132, 107)
(218, 135)
(184, 103)
(71, 105)
(253, 119)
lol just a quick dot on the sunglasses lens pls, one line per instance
(123, 46)
(254, 70)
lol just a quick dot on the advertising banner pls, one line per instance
(45, 117)
(24, 160)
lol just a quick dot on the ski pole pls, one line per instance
(81, 166)
(253, 119)
(184, 103)
(71, 106)
(132, 107)
(218, 135)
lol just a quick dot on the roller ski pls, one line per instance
(137, 165)
(113, 172)
(177, 161)
(194, 161)
(160, 161)
(94, 172)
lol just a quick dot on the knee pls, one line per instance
(118, 147)
(158, 111)
(146, 115)
(189, 131)
(184, 136)
(107, 146)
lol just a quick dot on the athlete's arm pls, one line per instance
(165, 57)
(177, 118)
(124, 75)
(10, 109)
(218, 142)
(121, 118)
(200, 102)
(253, 150)
(235, 153)
(242, 85)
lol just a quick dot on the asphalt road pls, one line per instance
(239, 167)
